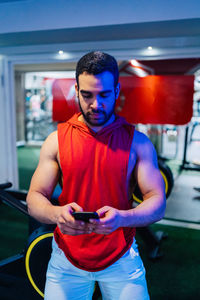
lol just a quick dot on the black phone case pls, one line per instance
(85, 216)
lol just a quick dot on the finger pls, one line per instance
(102, 231)
(71, 230)
(101, 212)
(67, 220)
(106, 220)
(76, 207)
(81, 226)
(103, 221)
(69, 209)
(66, 216)
(94, 221)
(76, 224)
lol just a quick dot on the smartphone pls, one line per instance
(85, 215)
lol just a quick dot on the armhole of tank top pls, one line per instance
(132, 135)
(60, 128)
(132, 131)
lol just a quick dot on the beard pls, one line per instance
(97, 117)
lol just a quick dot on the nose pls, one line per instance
(96, 103)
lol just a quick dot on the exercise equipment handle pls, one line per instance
(6, 197)
(5, 185)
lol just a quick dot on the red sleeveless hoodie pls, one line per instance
(94, 168)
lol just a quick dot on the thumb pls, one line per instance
(76, 207)
(102, 211)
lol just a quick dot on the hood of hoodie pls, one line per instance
(119, 121)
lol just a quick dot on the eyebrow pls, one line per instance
(85, 92)
(89, 92)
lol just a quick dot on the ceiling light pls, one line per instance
(151, 51)
(61, 55)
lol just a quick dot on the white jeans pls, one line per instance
(124, 280)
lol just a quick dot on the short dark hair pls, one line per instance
(97, 62)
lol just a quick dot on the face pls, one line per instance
(97, 96)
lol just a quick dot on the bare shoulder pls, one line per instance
(142, 145)
(140, 138)
(50, 146)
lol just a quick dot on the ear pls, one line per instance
(76, 89)
(117, 90)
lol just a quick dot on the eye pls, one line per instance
(86, 95)
(105, 94)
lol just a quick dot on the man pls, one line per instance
(98, 157)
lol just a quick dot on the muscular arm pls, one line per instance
(151, 184)
(42, 185)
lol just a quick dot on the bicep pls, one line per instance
(45, 178)
(147, 172)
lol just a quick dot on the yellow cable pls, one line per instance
(166, 181)
(27, 259)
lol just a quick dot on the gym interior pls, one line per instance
(158, 58)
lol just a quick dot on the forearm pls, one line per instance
(40, 208)
(148, 212)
